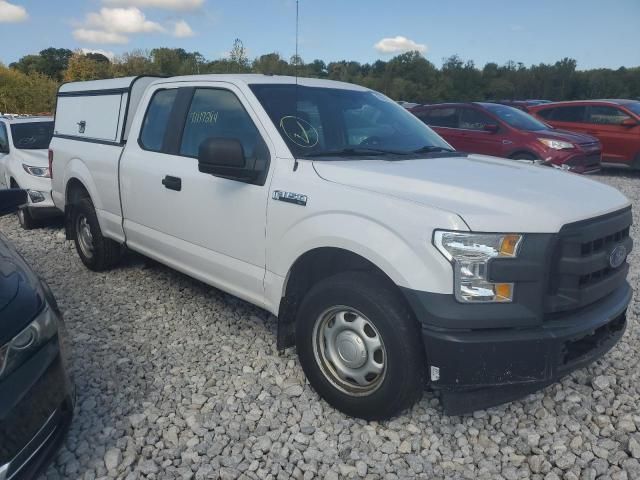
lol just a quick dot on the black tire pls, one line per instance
(523, 156)
(26, 219)
(104, 253)
(402, 383)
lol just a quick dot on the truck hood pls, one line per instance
(490, 194)
(33, 158)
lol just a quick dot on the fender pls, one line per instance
(404, 263)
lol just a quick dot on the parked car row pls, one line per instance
(579, 136)
(503, 131)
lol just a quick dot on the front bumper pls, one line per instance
(578, 162)
(36, 407)
(479, 368)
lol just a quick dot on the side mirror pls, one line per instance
(629, 122)
(491, 128)
(224, 157)
(4, 148)
(11, 200)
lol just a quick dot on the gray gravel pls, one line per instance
(178, 380)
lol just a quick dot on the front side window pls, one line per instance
(472, 119)
(217, 113)
(156, 120)
(517, 118)
(603, 115)
(319, 121)
(4, 139)
(569, 114)
(440, 117)
(32, 135)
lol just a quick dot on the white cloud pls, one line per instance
(107, 53)
(98, 36)
(10, 13)
(122, 20)
(399, 44)
(166, 4)
(112, 25)
(182, 30)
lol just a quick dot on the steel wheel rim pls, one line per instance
(84, 235)
(349, 350)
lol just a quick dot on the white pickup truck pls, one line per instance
(391, 261)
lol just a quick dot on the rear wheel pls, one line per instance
(96, 252)
(26, 219)
(360, 347)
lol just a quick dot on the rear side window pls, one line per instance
(4, 139)
(569, 114)
(155, 122)
(472, 119)
(32, 136)
(440, 117)
(604, 115)
(218, 113)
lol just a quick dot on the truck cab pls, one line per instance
(390, 259)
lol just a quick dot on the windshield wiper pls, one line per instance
(354, 152)
(432, 149)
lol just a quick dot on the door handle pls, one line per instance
(172, 183)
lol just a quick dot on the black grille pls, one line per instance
(581, 272)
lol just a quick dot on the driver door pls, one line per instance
(4, 154)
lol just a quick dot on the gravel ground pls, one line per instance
(179, 380)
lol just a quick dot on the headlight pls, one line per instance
(469, 253)
(37, 171)
(27, 342)
(556, 144)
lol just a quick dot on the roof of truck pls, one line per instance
(248, 78)
(35, 118)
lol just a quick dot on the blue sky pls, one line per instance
(597, 33)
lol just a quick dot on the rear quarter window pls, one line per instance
(569, 114)
(440, 117)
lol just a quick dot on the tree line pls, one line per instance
(29, 85)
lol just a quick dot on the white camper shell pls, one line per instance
(99, 110)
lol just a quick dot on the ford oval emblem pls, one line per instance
(618, 256)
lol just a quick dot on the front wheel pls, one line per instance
(359, 346)
(96, 252)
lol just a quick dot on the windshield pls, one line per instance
(317, 122)
(634, 107)
(516, 118)
(32, 136)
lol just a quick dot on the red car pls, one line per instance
(503, 131)
(616, 123)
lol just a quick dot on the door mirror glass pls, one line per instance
(224, 157)
(11, 200)
(491, 128)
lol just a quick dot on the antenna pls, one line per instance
(295, 159)
(297, 29)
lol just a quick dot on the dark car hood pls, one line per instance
(567, 136)
(21, 297)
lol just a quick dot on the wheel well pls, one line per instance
(523, 152)
(308, 270)
(13, 183)
(75, 191)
